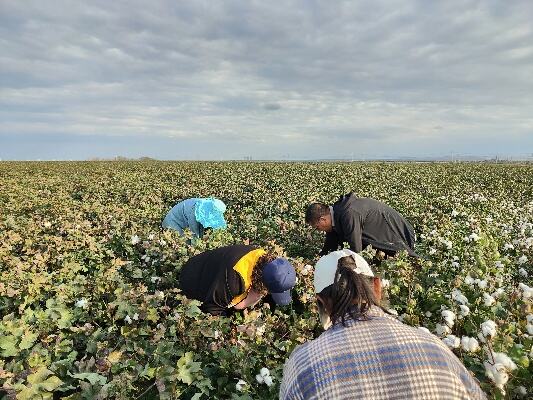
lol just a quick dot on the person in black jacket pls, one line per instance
(236, 277)
(361, 222)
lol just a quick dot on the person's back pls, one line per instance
(378, 358)
(196, 214)
(364, 352)
(181, 216)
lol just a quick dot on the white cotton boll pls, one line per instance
(135, 239)
(162, 242)
(474, 237)
(268, 380)
(463, 310)
(155, 279)
(452, 341)
(497, 374)
(239, 386)
(482, 283)
(508, 246)
(522, 272)
(503, 359)
(522, 260)
(469, 280)
(469, 344)
(432, 251)
(498, 264)
(488, 300)
(455, 264)
(527, 292)
(529, 328)
(449, 317)
(428, 314)
(454, 213)
(442, 330)
(135, 317)
(151, 236)
(423, 328)
(82, 303)
(264, 372)
(259, 378)
(529, 318)
(385, 283)
(459, 297)
(488, 328)
(497, 293)
(128, 319)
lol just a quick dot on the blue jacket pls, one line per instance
(181, 216)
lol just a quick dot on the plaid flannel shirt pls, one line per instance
(378, 358)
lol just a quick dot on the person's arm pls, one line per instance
(250, 300)
(331, 243)
(351, 226)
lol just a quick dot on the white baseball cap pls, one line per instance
(326, 267)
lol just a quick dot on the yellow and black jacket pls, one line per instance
(220, 278)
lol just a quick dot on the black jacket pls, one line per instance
(363, 221)
(210, 278)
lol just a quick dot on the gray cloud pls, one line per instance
(371, 74)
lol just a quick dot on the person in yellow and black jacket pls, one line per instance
(236, 277)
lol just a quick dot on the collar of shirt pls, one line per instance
(332, 215)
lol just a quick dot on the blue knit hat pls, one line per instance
(210, 213)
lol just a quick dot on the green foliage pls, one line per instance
(88, 302)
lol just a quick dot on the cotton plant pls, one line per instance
(527, 292)
(264, 377)
(497, 368)
(452, 341)
(488, 300)
(469, 344)
(449, 317)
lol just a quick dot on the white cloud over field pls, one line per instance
(306, 79)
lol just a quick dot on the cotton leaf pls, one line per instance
(92, 377)
(114, 357)
(27, 341)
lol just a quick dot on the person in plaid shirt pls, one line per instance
(365, 353)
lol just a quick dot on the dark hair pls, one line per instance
(315, 211)
(257, 273)
(351, 293)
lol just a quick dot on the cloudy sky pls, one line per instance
(263, 79)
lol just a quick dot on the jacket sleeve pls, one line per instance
(330, 244)
(351, 226)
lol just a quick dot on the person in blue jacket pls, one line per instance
(196, 214)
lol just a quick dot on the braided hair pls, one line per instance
(351, 293)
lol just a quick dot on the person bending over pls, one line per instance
(365, 353)
(361, 221)
(236, 277)
(196, 214)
